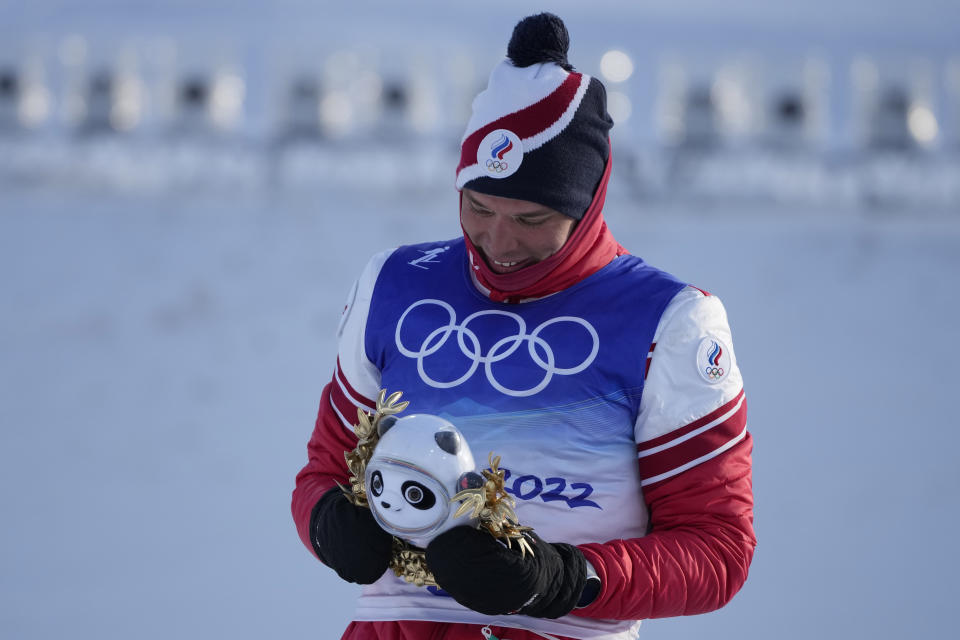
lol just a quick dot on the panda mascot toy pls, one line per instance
(419, 463)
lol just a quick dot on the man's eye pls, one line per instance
(527, 222)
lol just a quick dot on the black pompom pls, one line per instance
(539, 38)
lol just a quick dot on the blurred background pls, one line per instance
(188, 189)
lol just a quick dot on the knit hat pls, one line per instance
(539, 132)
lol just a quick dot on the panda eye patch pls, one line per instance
(376, 483)
(418, 495)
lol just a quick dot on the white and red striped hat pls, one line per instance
(539, 132)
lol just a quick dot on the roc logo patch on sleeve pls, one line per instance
(713, 360)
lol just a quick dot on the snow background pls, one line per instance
(163, 347)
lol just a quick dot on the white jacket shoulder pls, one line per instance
(351, 352)
(693, 368)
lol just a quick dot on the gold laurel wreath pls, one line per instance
(492, 507)
(490, 504)
(368, 436)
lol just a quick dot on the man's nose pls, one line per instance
(500, 237)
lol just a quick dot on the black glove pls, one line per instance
(348, 540)
(484, 575)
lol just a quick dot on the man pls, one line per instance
(609, 388)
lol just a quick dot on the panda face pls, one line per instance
(417, 495)
(412, 474)
(406, 501)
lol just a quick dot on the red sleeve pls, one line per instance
(698, 551)
(325, 465)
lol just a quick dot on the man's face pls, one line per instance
(512, 234)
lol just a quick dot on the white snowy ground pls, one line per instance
(161, 360)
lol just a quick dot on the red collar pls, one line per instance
(589, 248)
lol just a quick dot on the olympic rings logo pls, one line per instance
(714, 373)
(470, 347)
(497, 166)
